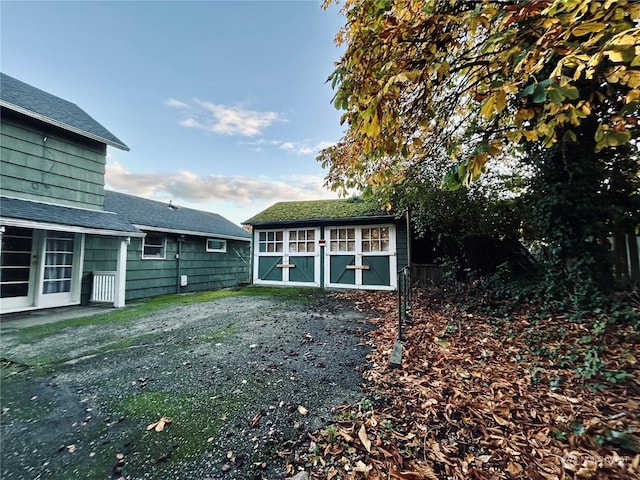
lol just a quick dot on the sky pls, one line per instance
(223, 104)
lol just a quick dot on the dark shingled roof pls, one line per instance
(153, 215)
(33, 102)
(64, 216)
(318, 211)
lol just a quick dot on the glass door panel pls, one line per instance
(58, 263)
(15, 265)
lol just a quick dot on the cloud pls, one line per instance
(192, 188)
(172, 102)
(223, 119)
(297, 148)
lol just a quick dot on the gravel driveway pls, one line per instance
(241, 379)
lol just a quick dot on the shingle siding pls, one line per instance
(53, 170)
(204, 270)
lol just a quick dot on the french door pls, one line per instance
(39, 269)
(17, 277)
(361, 257)
(289, 257)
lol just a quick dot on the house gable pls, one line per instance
(50, 149)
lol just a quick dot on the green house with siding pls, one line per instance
(60, 246)
(183, 250)
(346, 243)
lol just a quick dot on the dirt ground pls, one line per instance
(241, 378)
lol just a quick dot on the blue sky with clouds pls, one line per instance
(224, 104)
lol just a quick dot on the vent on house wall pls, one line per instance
(104, 287)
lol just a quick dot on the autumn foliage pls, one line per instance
(478, 398)
(476, 78)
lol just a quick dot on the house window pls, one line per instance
(216, 245)
(154, 246)
(375, 239)
(342, 240)
(301, 241)
(271, 241)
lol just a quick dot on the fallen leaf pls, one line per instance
(302, 410)
(160, 424)
(500, 420)
(362, 435)
(253, 423)
(514, 468)
(362, 468)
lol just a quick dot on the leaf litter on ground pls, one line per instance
(475, 399)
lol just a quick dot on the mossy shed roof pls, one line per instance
(318, 211)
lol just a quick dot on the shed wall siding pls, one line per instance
(401, 245)
(59, 170)
(204, 270)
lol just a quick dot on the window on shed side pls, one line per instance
(154, 246)
(216, 245)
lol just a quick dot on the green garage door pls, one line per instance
(268, 268)
(340, 273)
(361, 257)
(287, 257)
(378, 273)
(302, 270)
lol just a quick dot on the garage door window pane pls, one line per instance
(270, 242)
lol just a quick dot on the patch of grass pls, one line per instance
(141, 308)
(195, 419)
(9, 368)
(45, 364)
(220, 334)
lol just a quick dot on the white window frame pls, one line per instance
(164, 247)
(223, 249)
(273, 241)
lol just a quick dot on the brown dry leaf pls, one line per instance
(345, 434)
(500, 420)
(514, 468)
(362, 468)
(253, 423)
(331, 473)
(362, 435)
(160, 424)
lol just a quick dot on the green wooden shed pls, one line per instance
(345, 243)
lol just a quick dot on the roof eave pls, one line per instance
(62, 227)
(319, 221)
(51, 121)
(194, 233)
